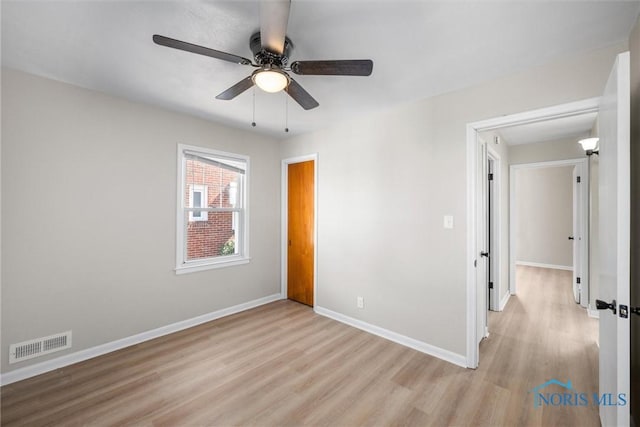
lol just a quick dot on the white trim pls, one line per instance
(99, 350)
(440, 353)
(564, 110)
(284, 194)
(504, 301)
(482, 267)
(549, 164)
(472, 150)
(543, 265)
(570, 109)
(220, 262)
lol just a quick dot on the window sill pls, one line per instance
(210, 265)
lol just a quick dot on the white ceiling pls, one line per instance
(573, 127)
(419, 49)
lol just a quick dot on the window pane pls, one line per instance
(197, 203)
(214, 237)
(222, 182)
(227, 196)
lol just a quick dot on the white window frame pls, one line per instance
(199, 188)
(241, 227)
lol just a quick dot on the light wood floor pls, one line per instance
(282, 365)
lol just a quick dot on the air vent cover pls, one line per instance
(39, 347)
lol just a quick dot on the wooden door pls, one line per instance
(300, 214)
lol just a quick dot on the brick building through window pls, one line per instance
(211, 184)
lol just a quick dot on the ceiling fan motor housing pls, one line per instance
(264, 57)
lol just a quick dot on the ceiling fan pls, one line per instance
(271, 51)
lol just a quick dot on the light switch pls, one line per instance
(448, 221)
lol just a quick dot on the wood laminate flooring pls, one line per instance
(283, 365)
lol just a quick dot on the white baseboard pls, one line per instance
(504, 300)
(79, 356)
(541, 265)
(593, 313)
(446, 355)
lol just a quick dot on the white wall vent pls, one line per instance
(39, 347)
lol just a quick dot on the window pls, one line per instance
(212, 212)
(197, 198)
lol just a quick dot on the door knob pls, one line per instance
(603, 305)
(570, 237)
(635, 310)
(484, 254)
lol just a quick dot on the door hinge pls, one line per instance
(577, 280)
(578, 180)
(490, 177)
(490, 285)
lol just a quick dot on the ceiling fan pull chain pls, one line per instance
(286, 112)
(253, 123)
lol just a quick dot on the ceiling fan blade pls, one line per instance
(353, 67)
(301, 96)
(194, 48)
(236, 89)
(274, 17)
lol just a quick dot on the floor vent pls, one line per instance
(39, 347)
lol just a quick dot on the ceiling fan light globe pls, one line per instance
(271, 81)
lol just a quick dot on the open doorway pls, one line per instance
(548, 217)
(493, 132)
(613, 239)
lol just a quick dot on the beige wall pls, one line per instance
(89, 216)
(544, 215)
(381, 235)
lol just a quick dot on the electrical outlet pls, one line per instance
(360, 302)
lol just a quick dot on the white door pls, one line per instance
(575, 235)
(491, 234)
(614, 210)
(482, 255)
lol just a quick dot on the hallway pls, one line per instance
(542, 334)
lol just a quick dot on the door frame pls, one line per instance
(473, 210)
(581, 217)
(284, 215)
(488, 241)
